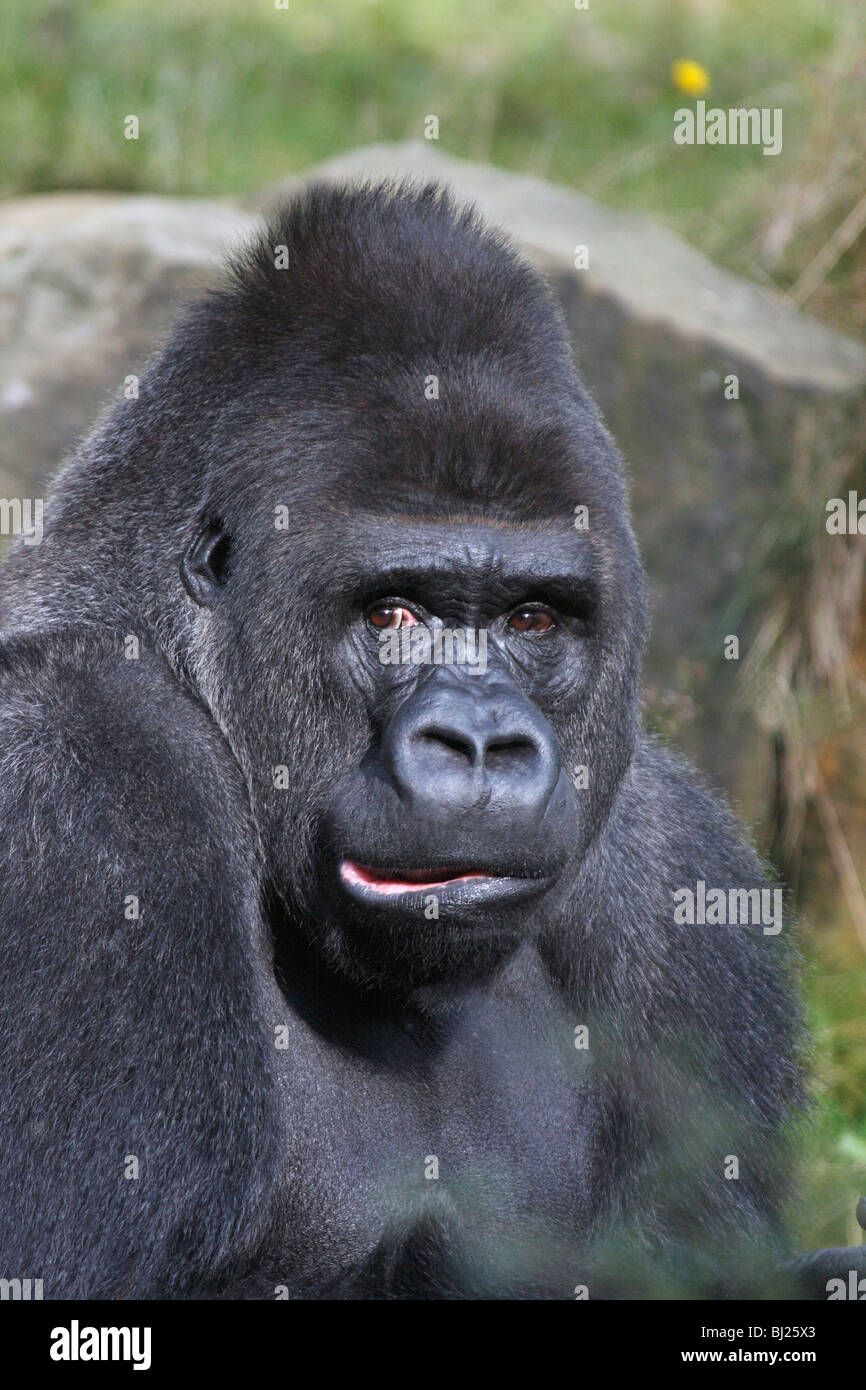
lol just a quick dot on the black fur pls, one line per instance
(284, 1062)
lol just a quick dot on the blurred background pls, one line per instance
(236, 99)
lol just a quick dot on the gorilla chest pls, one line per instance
(460, 1172)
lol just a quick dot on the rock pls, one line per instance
(650, 273)
(89, 282)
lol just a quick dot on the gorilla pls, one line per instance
(340, 890)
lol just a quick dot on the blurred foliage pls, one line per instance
(833, 1175)
(232, 97)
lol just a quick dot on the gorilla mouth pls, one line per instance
(408, 881)
(457, 886)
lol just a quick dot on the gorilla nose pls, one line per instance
(455, 750)
(480, 748)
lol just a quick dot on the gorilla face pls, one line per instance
(457, 651)
(435, 796)
(462, 808)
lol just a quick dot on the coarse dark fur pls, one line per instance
(286, 1064)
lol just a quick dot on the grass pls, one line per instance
(834, 1170)
(233, 97)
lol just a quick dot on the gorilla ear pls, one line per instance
(203, 567)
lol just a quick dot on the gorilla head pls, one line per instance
(397, 439)
(375, 425)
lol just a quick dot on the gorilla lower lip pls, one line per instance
(461, 890)
(414, 880)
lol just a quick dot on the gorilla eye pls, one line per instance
(390, 615)
(531, 620)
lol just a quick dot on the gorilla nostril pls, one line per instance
(497, 753)
(453, 741)
(501, 752)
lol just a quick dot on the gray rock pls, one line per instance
(651, 274)
(89, 282)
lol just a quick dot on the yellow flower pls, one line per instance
(691, 78)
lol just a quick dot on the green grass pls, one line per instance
(232, 97)
(834, 1167)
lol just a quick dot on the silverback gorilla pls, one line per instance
(345, 966)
